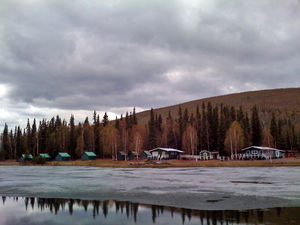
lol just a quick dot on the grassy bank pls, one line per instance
(168, 163)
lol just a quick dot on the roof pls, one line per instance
(166, 150)
(262, 148)
(147, 153)
(90, 153)
(203, 151)
(27, 156)
(45, 155)
(64, 154)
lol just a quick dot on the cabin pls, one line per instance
(63, 156)
(46, 156)
(206, 155)
(88, 156)
(165, 153)
(121, 156)
(259, 152)
(26, 157)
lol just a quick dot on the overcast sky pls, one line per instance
(63, 57)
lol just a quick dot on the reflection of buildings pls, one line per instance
(257, 216)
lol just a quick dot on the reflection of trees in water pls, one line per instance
(131, 211)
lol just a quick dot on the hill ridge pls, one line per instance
(279, 100)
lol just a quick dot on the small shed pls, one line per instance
(46, 156)
(63, 156)
(121, 156)
(26, 157)
(88, 156)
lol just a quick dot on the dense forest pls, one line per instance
(221, 128)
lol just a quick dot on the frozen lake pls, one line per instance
(194, 188)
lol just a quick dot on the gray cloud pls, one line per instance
(105, 55)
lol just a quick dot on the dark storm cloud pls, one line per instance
(108, 54)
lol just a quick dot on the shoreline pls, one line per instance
(108, 163)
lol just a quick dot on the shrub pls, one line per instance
(39, 160)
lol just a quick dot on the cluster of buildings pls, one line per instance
(252, 152)
(61, 156)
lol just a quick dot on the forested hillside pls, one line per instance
(225, 124)
(283, 102)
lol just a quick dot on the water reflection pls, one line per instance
(123, 212)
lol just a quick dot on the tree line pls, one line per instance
(218, 128)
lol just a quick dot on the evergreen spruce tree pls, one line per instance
(185, 119)
(240, 115)
(274, 130)
(117, 124)
(192, 120)
(5, 142)
(86, 135)
(215, 129)
(19, 144)
(246, 130)
(72, 136)
(127, 120)
(28, 137)
(105, 119)
(134, 117)
(96, 134)
(204, 130)
(280, 143)
(232, 114)
(159, 123)
(256, 128)
(171, 136)
(181, 127)
(152, 131)
(222, 132)
(198, 127)
(210, 121)
(34, 139)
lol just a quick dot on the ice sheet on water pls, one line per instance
(199, 188)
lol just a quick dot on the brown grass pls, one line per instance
(161, 164)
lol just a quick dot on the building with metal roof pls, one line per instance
(45, 155)
(165, 153)
(26, 157)
(259, 152)
(88, 156)
(63, 156)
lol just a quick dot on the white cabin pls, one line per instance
(259, 152)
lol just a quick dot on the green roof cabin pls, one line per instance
(88, 156)
(46, 156)
(26, 157)
(63, 156)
